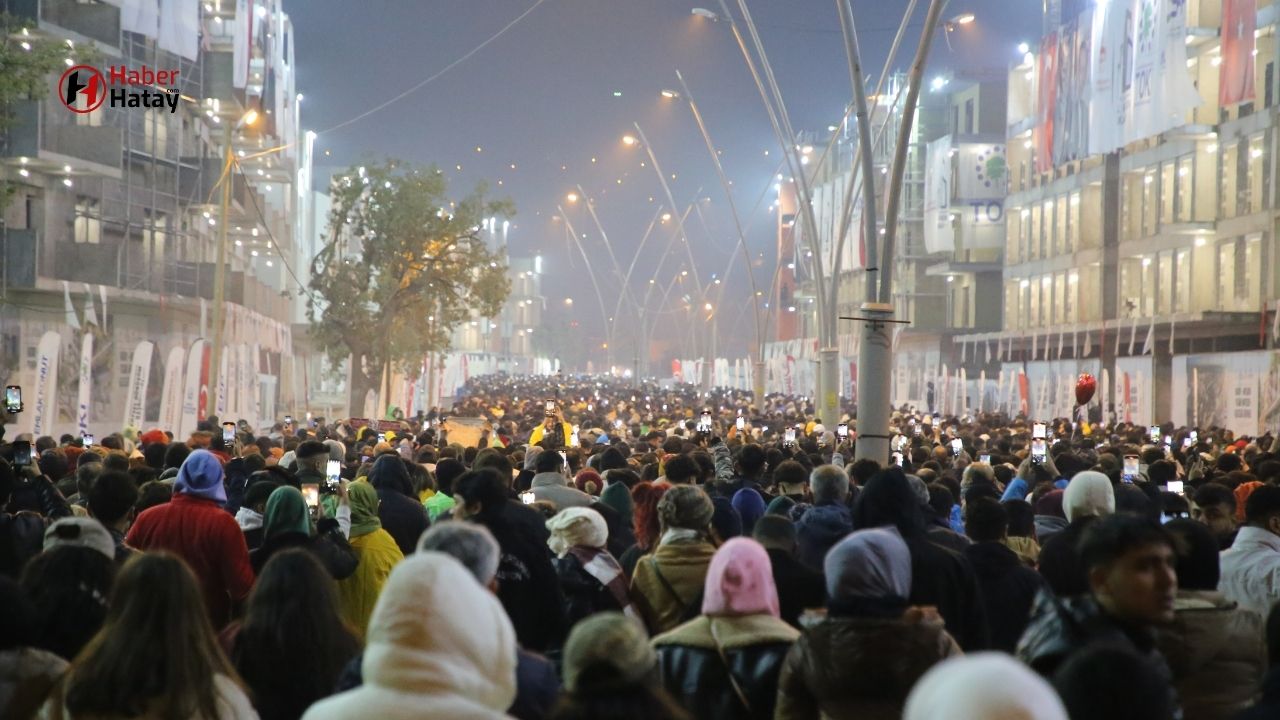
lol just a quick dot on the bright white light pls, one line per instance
(1023, 48)
(938, 83)
(67, 182)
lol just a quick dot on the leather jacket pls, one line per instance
(696, 673)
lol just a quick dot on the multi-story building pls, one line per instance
(949, 233)
(110, 240)
(1141, 242)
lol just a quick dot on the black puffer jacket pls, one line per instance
(697, 676)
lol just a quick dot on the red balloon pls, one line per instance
(1086, 386)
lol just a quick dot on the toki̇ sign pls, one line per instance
(84, 88)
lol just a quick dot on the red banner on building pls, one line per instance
(1046, 99)
(1239, 22)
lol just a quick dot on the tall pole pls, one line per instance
(758, 379)
(604, 312)
(220, 273)
(875, 357)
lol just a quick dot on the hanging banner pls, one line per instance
(191, 390)
(981, 185)
(939, 233)
(171, 391)
(44, 405)
(86, 383)
(1235, 78)
(135, 403)
(1046, 95)
(1072, 90)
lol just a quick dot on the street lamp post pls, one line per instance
(220, 266)
(757, 381)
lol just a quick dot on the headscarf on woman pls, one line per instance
(740, 581)
(618, 497)
(869, 572)
(286, 512)
(364, 508)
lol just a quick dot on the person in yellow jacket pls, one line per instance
(378, 554)
(554, 428)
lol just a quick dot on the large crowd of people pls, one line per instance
(584, 547)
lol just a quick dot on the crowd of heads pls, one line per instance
(582, 547)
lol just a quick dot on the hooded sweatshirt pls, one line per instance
(401, 515)
(439, 645)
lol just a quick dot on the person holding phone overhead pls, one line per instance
(554, 432)
(287, 523)
(377, 553)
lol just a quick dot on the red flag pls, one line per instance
(1235, 80)
(1046, 98)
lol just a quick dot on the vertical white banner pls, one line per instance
(44, 405)
(86, 383)
(191, 390)
(135, 403)
(171, 392)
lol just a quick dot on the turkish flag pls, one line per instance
(1239, 21)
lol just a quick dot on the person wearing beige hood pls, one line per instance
(439, 645)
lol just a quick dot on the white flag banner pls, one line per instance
(191, 390)
(135, 404)
(220, 407)
(1133, 334)
(86, 383)
(1075, 341)
(71, 320)
(1148, 345)
(1172, 321)
(45, 405)
(939, 228)
(240, 44)
(90, 317)
(1088, 343)
(171, 392)
(1105, 398)
(1034, 345)
(1062, 335)
(964, 352)
(102, 294)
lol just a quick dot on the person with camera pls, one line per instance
(554, 432)
(22, 533)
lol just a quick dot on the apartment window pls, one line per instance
(1061, 243)
(1060, 297)
(1130, 207)
(1073, 223)
(1184, 182)
(88, 222)
(1136, 289)
(1033, 306)
(1230, 179)
(1164, 278)
(1239, 274)
(1033, 245)
(1046, 300)
(1150, 205)
(1070, 299)
(1048, 228)
(1182, 281)
(1013, 240)
(155, 133)
(1257, 173)
(1166, 193)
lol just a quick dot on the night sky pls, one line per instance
(542, 96)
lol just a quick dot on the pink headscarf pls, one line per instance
(740, 581)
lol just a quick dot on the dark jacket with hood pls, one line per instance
(820, 528)
(1009, 589)
(939, 577)
(402, 516)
